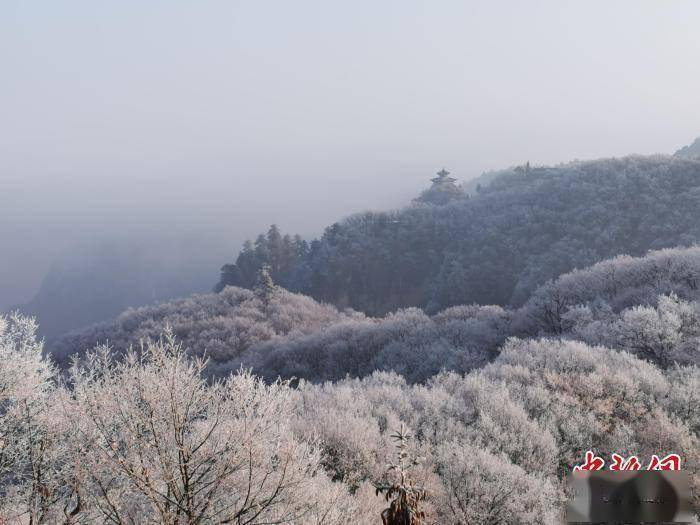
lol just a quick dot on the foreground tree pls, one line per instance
(31, 442)
(483, 488)
(156, 443)
(404, 496)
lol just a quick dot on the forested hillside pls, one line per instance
(497, 401)
(238, 285)
(692, 150)
(220, 325)
(288, 409)
(148, 439)
(526, 226)
(649, 306)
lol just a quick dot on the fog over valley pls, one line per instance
(237, 116)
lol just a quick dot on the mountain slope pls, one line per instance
(220, 326)
(693, 150)
(97, 281)
(525, 227)
(648, 306)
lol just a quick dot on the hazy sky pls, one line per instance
(220, 117)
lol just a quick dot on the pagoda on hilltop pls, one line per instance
(442, 191)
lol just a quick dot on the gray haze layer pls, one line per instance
(212, 119)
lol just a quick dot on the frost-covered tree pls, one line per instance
(221, 326)
(265, 287)
(525, 227)
(616, 284)
(32, 446)
(145, 436)
(649, 306)
(286, 256)
(684, 397)
(593, 396)
(482, 488)
(156, 443)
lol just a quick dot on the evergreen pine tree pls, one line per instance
(265, 287)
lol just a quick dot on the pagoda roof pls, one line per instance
(443, 176)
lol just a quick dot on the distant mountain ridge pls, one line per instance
(96, 282)
(519, 227)
(523, 227)
(627, 303)
(692, 150)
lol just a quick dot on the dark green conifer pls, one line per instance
(265, 287)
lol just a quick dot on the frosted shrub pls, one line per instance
(165, 446)
(483, 488)
(31, 442)
(684, 395)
